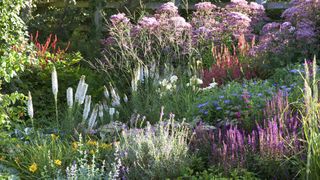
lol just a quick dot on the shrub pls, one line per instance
(158, 151)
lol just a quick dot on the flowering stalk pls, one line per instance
(54, 78)
(70, 97)
(86, 109)
(30, 107)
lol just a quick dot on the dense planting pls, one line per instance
(216, 93)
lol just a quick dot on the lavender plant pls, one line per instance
(158, 151)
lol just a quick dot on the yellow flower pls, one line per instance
(2, 158)
(92, 152)
(57, 162)
(92, 143)
(74, 145)
(18, 146)
(33, 168)
(54, 137)
(106, 146)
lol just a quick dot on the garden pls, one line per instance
(196, 90)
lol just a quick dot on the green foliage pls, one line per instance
(70, 23)
(157, 153)
(214, 173)
(13, 48)
(226, 104)
(310, 122)
(38, 82)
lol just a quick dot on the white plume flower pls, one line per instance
(101, 110)
(125, 98)
(86, 109)
(106, 93)
(54, 79)
(30, 105)
(70, 97)
(83, 93)
(92, 120)
(79, 88)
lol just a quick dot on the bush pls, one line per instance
(159, 151)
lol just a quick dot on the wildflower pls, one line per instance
(30, 106)
(81, 90)
(33, 167)
(115, 97)
(92, 151)
(173, 78)
(227, 101)
(100, 110)
(54, 137)
(2, 158)
(111, 111)
(118, 18)
(125, 98)
(86, 109)
(106, 93)
(218, 108)
(70, 97)
(92, 120)
(92, 143)
(106, 146)
(57, 162)
(203, 105)
(205, 6)
(54, 79)
(74, 145)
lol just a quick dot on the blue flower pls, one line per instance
(288, 89)
(294, 71)
(283, 87)
(221, 97)
(215, 103)
(203, 105)
(227, 101)
(218, 108)
(259, 94)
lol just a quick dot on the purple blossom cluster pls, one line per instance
(300, 27)
(275, 37)
(167, 28)
(254, 11)
(275, 138)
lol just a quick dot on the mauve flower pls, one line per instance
(205, 6)
(168, 8)
(118, 18)
(306, 30)
(149, 23)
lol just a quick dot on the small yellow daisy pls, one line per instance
(57, 162)
(54, 137)
(33, 168)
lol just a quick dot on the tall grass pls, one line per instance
(311, 123)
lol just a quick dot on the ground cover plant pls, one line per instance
(215, 93)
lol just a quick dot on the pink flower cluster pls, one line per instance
(300, 27)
